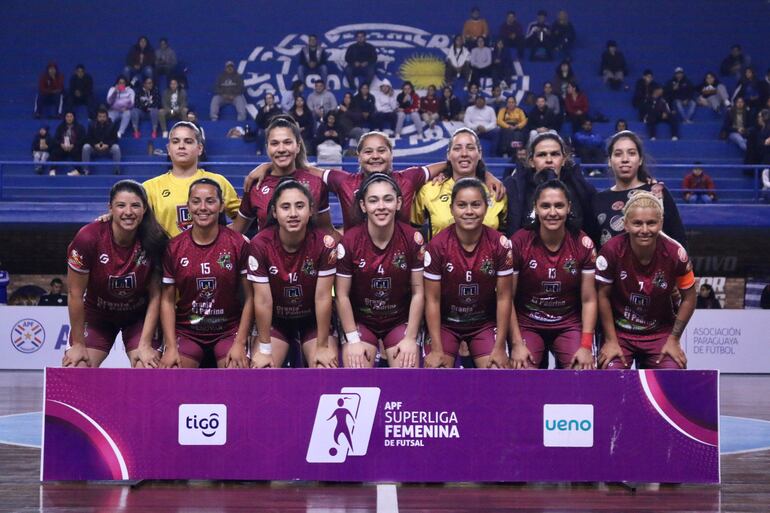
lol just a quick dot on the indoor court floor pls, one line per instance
(745, 446)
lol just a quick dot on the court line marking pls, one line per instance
(744, 451)
(387, 498)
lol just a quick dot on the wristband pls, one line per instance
(265, 348)
(353, 337)
(587, 341)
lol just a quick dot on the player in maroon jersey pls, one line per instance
(553, 286)
(468, 268)
(375, 155)
(291, 266)
(637, 271)
(114, 283)
(287, 158)
(379, 280)
(205, 266)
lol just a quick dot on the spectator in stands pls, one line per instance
(748, 89)
(735, 62)
(297, 89)
(449, 108)
(502, 65)
(146, 104)
(386, 105)
(304, 119)
(520, 163)
(539, 37)
(192, 117)
(552, 100)
(613, 67)
(576, 106)
(764, 89)
(429, 107)
(564, 75)
(541, 119)
(229, 89)
(5, 279)
(621, 125)
(50, 92)
(55, 297)
(165, 60)
(363, 107)
(712, 94)
(563, 35)
(329, 139)
(348, 119)
(68, 140)
(707, 299)
(101, 141)
(758, 144)
(42, 145)
(589, 147)
(321, 101)
(737, 123)
(698, 186)
(766, 184)
(474, 28)
(497, 99)
(481, 119)
(473, 93)
(408, 106)
(458, 62)
(313, 59)
(120, 100)
(268, 111)
(481, 61)
(81, 92)
(512, 123)
(140, 61)
(679, 93)
(174, 105)
(361, 59)
(659, 111)
(643, 92)
(512, 35)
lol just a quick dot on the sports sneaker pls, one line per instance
(74, 172)
(675, 138)
(52, 172)
(165, 134)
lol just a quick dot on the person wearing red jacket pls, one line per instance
(429, 107)
(50, 91)
(408, 105)
(698, 186)
(576, 106)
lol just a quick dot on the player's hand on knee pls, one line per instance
(261, 361)
(407, 353)
(435, 360)
(76, 356)
(325, 357)
(610, 351)
(673, 348)
(583, 360)
(356, 355)
(170, 359)
(521, 356)
(498, 359)
(148, 357)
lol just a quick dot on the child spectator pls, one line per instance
(679, 92)
(42, 145)
(737, 123)
(50, 92)
(613, 66)
(658, 111)
(698, 186)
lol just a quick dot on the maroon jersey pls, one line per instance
(345, 185)
(548, 287)
(292, 276)
(468, 280)
(381, 288)
(641, 294)
(254, 204)
(118, 276)
(207, 280)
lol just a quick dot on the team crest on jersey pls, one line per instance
(399, 260)
(587, 242)
(659, 280)
(505, 242)
(122, 286)
(418, 238)
(308, 267)
(206, 287)
(225, 261)
(183, 218)
(381, 286)
(487, 267)
(76, 259)
(682, 254)
(329, 241)
(140, 258)
(570, 266)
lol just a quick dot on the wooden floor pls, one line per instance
(745, 487)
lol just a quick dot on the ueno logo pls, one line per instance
(568, 425)
(202, 424)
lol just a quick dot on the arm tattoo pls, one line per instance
(679, 327)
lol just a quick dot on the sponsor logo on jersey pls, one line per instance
(76, 260)
(340, 251)
(253, 263)
(104, 258)
(165, 193)
(682, 254)
(225, 261)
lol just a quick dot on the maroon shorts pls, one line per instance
(196, 348)
(390, 338)
(100, 333)
(644, 352)
(480, 341)
(562, 342)
(297, 330)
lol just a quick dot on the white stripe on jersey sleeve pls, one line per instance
(603, 279)
(79, 271)
(427, 173)
(328, 272)
(431, 276)
(507, 272)
(324, 210)
(325, 176)
(589, 271)
(257, 279)
(417, 269)
(168, 281)
(245, 217)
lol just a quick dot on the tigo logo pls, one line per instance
(202, 424)
(568, 425)
(343, 425)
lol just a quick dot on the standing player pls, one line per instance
(637, 271)
(288, 158)
(379, 280)
(432, 202)
(206, 266)
(114, 284)
(468, 268)
(627, 161)
(375, 155)
(292, 266)
(553, 286)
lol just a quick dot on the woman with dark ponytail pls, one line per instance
(114, 282)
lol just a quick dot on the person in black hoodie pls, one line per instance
(68, 140)
(449, 108)
(613, 67)
(42, 144)
(146, 103)
(81, 91)
(102, 140)
(269, 110)
(643, 91)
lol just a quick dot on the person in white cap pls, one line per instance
(679, 93)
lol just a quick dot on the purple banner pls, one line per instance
(381, 425)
